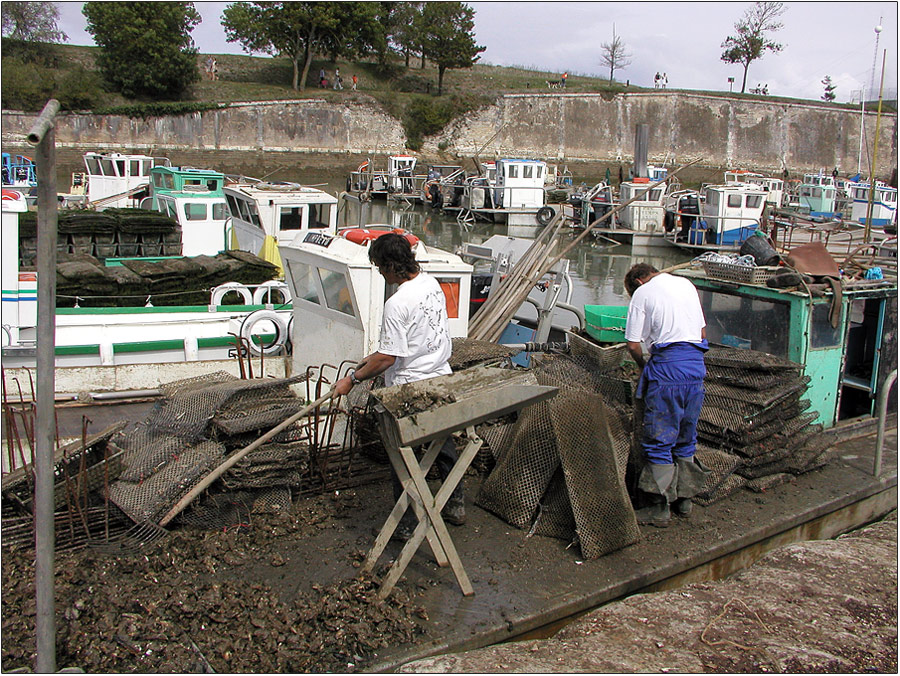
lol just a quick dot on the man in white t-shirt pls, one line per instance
(414, 345)
(665, 316)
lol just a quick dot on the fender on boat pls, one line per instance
(220, 291)
(281, 331)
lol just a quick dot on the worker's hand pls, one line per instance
(343, 386)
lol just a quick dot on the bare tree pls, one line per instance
(615, 55)
(32, 21)
(752, 41)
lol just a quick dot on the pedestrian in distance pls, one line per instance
(338, 81)
(208, 66)
(414, 345)
(355, 81)
(656, 80)
(665, 316)
(564, 77)
(665, 80)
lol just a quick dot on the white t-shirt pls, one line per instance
(665, 310)
(415, 330)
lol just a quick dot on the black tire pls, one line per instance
(545, 215)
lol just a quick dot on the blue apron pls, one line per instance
(671, 385)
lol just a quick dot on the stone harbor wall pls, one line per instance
(722, 132)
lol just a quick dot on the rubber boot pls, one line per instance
(690, 479)
(658, 481)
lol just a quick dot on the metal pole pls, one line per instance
(883, 395)
(42, 136)
(870, 207)
(641, 145)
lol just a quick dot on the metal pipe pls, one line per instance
(883, 394)
(43, 136)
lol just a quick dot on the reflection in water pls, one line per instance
(597, 269)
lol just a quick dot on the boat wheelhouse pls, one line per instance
(647, 214)
(264, 214)
(730, 213)
(774, 187)
(117, 179)
(821, 200)
(513, 190)
(195, 198)
(846, 343)
(338, 293)
(399, 179)
(884, 205)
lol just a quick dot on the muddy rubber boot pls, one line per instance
(454, 512)
(659, 482)
(690, 479)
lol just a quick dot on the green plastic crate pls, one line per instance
(606, 323)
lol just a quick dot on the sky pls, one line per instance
(681, 39)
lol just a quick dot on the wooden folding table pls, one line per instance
(429, 412)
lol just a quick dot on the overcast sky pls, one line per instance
(682, 39)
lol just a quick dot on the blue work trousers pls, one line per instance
(671, 411)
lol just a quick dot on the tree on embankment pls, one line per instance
(752, 39)
(448, 37)
(146, 49)
(300, 30)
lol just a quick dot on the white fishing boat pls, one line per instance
(118, 179)
(774, 187)
(884, 205)
(137, 342)
(264, 214)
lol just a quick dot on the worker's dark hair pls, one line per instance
(393, 253)
(637, 271)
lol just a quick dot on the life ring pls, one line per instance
(363, 236)
(220, 291)
(263, 293)
(545, 215)
(252, 320)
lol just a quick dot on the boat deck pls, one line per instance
(524, 585)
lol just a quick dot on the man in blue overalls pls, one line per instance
(665, 315)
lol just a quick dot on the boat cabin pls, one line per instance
(731, 213)
(646, 214)
(822, 200)
(884, 204)
(847, 364)
(117, 179)
(264, 214)
(195, 198)
(338, 294)
(656, 173)
(519, 184)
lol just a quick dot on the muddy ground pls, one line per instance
(810, 607)
(195, 601)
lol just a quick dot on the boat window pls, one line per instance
(734, 201)
(120, 168)
(136, 168)
(753, 201)
(746, 322)
(450, 287)
(219, 211)
(107, 168)
(146, 165)
(655, 194)
(304, 283)
(319, 215)
(157, 181)
(290, 219)
(526, 171)
(195, 211)
(822, 334)
(337, 291)
(93, 166)
(712, 199)
(512, 171)
(212, 184)
(232, 205)
(170, 209)
(540, 171)
(169, 181)
(193, 181)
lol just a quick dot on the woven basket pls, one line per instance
(738, 273)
